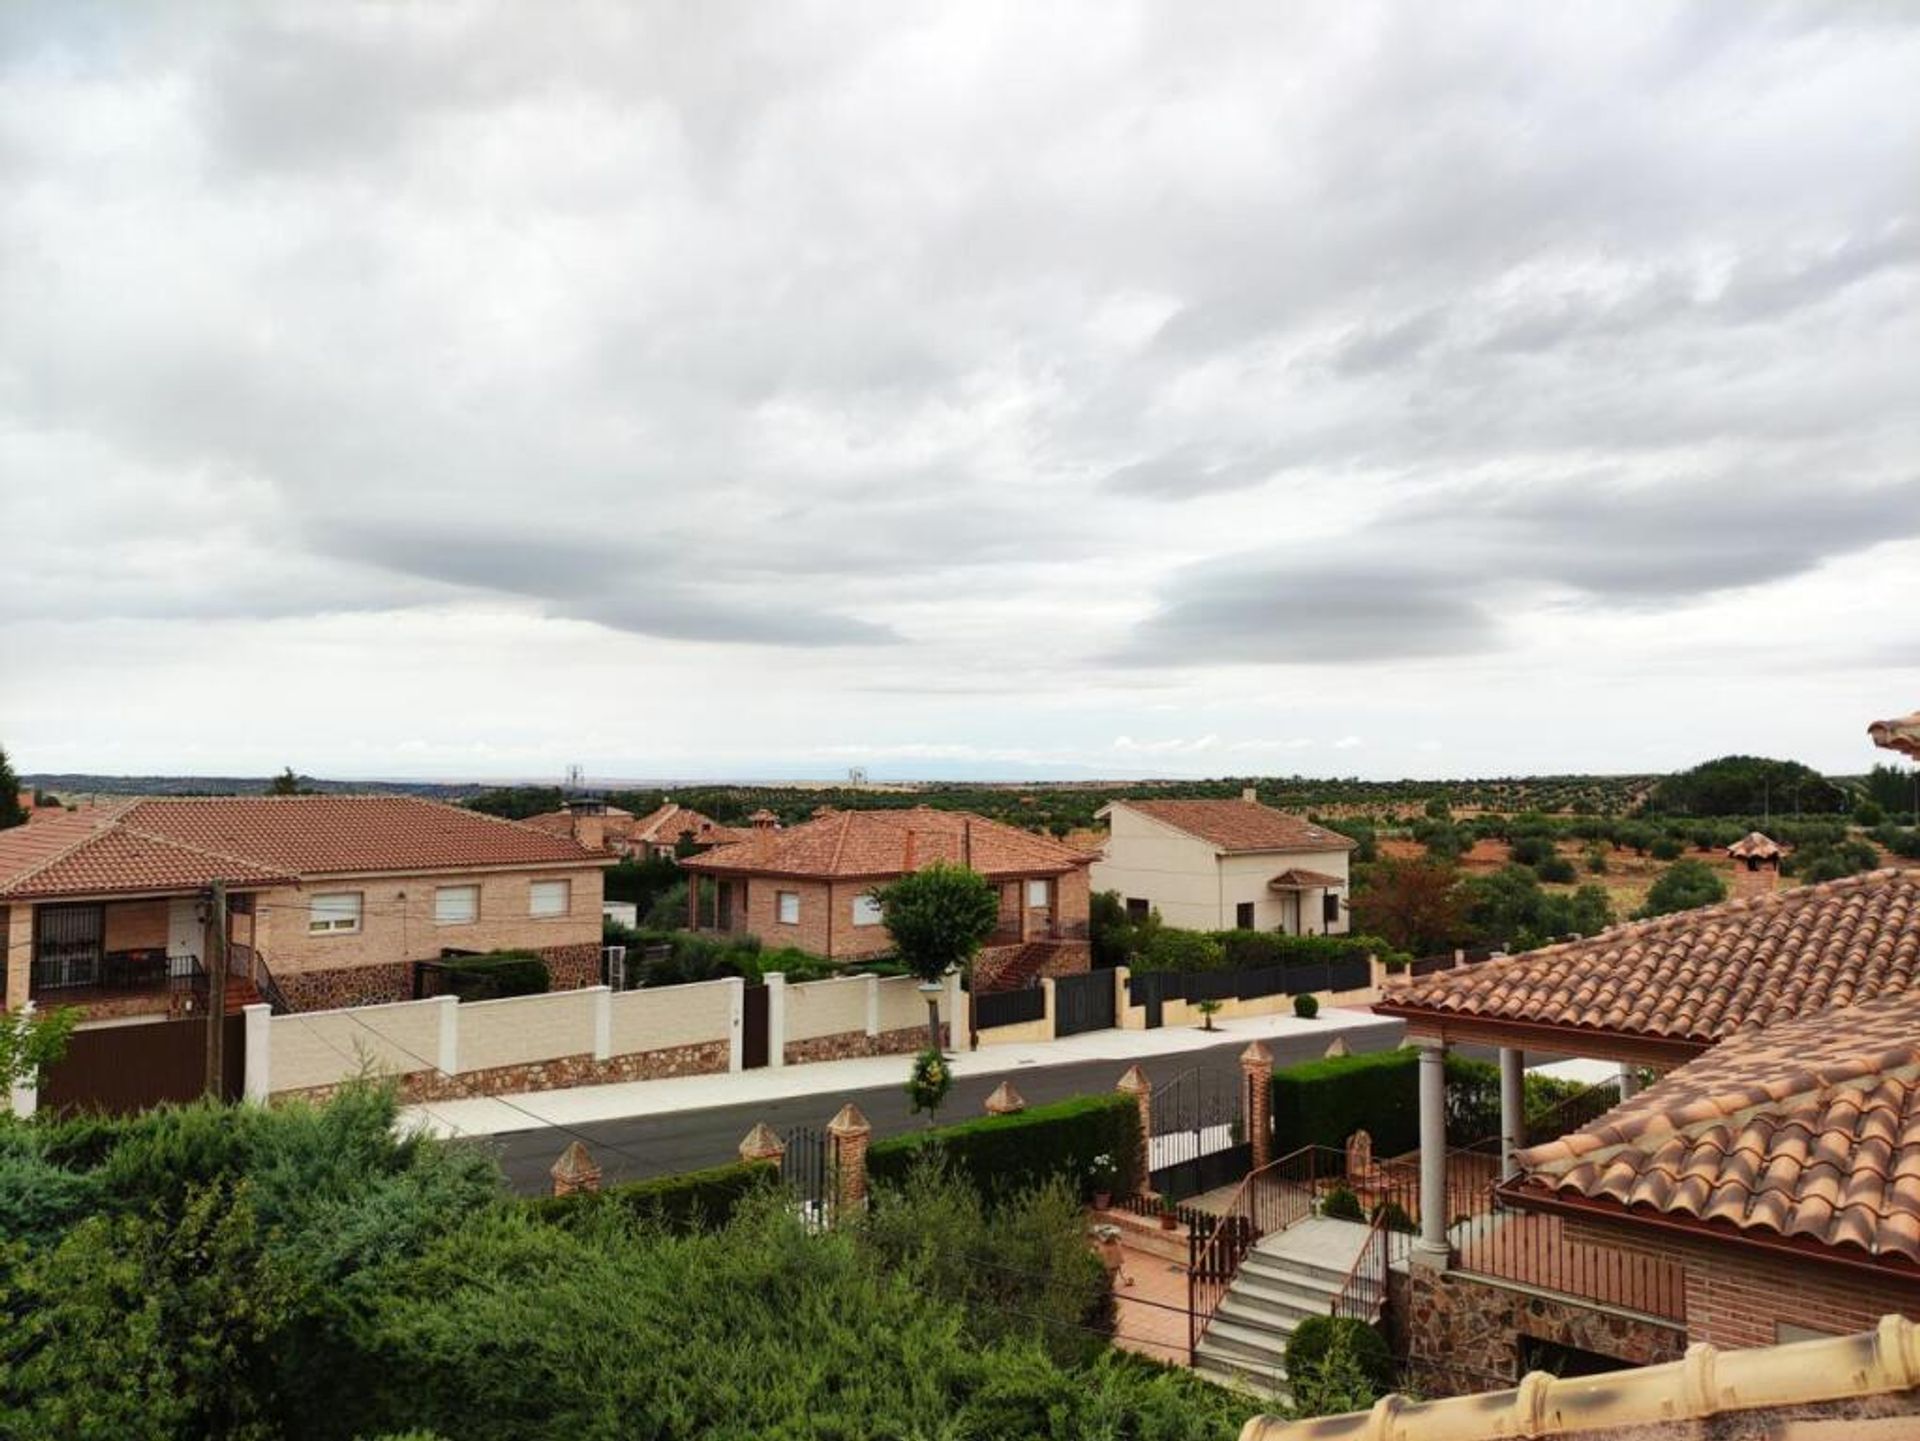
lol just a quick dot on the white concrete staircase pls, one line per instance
(1286, 1278)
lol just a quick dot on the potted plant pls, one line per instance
(1101, 1175)
(1168, 1217)
(929, 1083)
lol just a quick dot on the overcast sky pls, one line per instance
(467, 390)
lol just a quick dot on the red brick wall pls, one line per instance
(1737, 1297)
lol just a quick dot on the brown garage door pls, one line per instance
(117, 1069)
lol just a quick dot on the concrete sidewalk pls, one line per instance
(580, 1105)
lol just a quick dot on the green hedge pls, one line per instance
(1011, 1153)
(1321, 1103)
(493, 976)
(691, 1200)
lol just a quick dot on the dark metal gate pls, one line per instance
(69, 943)
(754, 1028)
(1199, 1133)
(1084, 1003)
(121, 1069)
(806, 1171)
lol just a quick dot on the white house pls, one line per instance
(1225, 865)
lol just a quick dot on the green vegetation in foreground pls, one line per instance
(241, 1273)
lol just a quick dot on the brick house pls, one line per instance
(1767, 1187)
(658, 833)
(1216, 865)
(333, 899)
(809, 886)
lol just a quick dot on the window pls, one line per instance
(1137, 909)
(456, 905)
(550, 898)
(866, 911)
(337, 912)
(1036, 893)
(1330, 909)
(1243, 915)
(786, 907)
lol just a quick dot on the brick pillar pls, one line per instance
(847, 1137)
(763, 1143)
(575, 1171)
(1256, 1079)
(1135, 1083)
(1005, 1101)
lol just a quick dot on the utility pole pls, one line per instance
(216, 989)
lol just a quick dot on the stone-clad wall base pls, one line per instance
(571, 968)
(347, 986)
(847, 1044)
(1463, 1334)
(704, 1059)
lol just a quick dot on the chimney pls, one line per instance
(763, 819)
(906, 862)
(1249, 795)
(589, 823)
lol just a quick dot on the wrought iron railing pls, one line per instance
(1363, 1295)
(1273, 1197)
(1531, 1248)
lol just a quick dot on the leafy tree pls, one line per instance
(1895, 789)
(1681, 887)
(1597, 858)
(1747, 786)
(1667, 848)
(287, 784)
(1442, 839)
(1109, 931)
(1556, 869)
(1868, 814)
(1831, 861)
(12, 813)
(1412, 904)
(30, 1042)
(938, 916)
(1167, 948)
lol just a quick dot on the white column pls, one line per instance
(1629, 1080)
(1053, 1010)
(449, 1062)
(776, 1017)
(957, 1028)
(602, 1023)
(736, 1021)
(1432, 1249)
(25, 1094)
(259, 1078)
(873, 1005)
(1513, 1106)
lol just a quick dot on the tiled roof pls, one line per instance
(1753, 843)
(1810, 1128)
(182, 844)
(889, 843)
(1701, 975)
(665, 826)
(1295, 879)
(1901, 735)
(1824, 1381)
(1241, 825)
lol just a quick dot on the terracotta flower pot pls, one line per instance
(1168, 1220)
(1102, 1200)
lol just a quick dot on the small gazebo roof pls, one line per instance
(1754, 845)
(1901, 735)
(1295, 879)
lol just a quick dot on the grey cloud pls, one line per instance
(1300, 611)
(1188, 471)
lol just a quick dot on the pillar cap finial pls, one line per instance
(1134, 1081)
(575, 1164)
(1256, 1054)
(850, 1122)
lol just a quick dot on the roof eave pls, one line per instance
(1463, 1027)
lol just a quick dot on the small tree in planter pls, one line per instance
(1306, 1007)
(938, 917)
(1208, 1008)
(929, 1083)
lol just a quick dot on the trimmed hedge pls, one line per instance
(1012, 1153)
(690, 1201)
(493, 976)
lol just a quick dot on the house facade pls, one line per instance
(332, 899)
(810, 886)
(658, 833)
(1216, 865)
(1765, 1188)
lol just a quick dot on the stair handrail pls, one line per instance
(1214, 1261)
(1374, 1258)
(247, 963)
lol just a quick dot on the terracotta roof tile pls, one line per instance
(665, 825)
(878, 843)
(182, 844)
(1810, 1128)
(1242, 825)
(1295, 879)
(1703, 974)
(1902, 734)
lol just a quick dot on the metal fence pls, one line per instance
(1009, 1008)
(1152, 988)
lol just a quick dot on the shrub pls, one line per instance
(1597, 859)
(1342, 1205)
(1557, 869)
(1000, 1154)
(1167, 949)
(688, 1201)
(1393, 1216)
(493, 976)
(1321, 1103)
(1682, 886)
(1306, 1007)
(1320, 1339)
(1667, 848)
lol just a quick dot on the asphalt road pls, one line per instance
(640, 1146)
